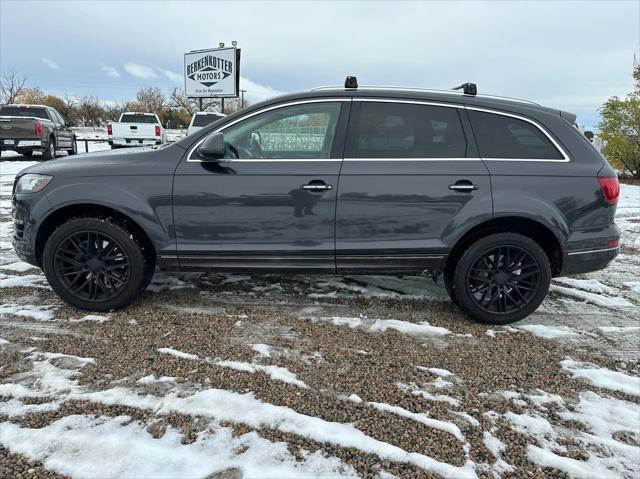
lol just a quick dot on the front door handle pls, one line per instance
(312, 187)
(463, 185)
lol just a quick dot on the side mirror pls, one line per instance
(71, 123)
(589, 134)
(212, 148)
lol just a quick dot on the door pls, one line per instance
(61, 130)
(271, 203)
(411, 183)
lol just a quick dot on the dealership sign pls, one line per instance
(212, 73)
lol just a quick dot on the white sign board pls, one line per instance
(212, 73)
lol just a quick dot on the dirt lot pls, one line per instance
(230, 376)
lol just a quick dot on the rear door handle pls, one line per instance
(463, 185)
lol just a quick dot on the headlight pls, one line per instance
(32, 183)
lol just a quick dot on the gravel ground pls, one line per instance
(454, 397)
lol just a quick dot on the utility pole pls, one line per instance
(242, 98)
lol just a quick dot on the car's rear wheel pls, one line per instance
(502, 278)
(74, 147)
(94, 264)
(49, 152)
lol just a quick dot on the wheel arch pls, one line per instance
(91, 210)
(537, 231)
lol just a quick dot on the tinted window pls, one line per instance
(134, 118)
(33, 112)
(204, 120)
(500, 136)
(404, 130)
(297, 132)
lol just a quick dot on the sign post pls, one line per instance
(212, 73)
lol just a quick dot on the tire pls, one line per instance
(502, 278)
(50, 152)
(149, 271)
(449, 285)
(74, 147)
(83, 275)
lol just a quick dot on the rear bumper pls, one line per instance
(591, 250)
(21, 144)
(135, 141)
(578, 262)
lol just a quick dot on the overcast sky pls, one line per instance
(569, 55)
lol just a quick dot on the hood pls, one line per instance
(148, 159)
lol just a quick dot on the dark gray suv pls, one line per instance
(498, 195)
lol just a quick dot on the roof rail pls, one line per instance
(432, 90)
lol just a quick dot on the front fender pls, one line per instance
(136, 197)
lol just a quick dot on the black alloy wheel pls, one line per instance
(501, 278)
(96, 264)
(92, 265)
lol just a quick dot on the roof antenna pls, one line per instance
(351, 82)
(468, 88)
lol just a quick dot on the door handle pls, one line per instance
(317, 187)
(463, 185)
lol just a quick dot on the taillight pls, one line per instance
(610, 187)
(157, 130)
(38, 128)
(109, 130)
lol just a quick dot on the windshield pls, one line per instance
(204, 120)
(137, 118)
(33, 112)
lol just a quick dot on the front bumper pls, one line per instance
(24, 209)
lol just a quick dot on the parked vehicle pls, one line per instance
(497, 195)
(136, 129)
(201, 119)
(28, 128)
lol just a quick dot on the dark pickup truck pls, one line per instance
(29, 128)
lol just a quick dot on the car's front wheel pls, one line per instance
(502, 278)
(94, 264)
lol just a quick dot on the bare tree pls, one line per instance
(179, 100)
(89, 110)
(152, 100)
(113, 110)
(11, 85)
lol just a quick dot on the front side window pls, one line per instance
(303, 131)
(406, 130)
(505, 137)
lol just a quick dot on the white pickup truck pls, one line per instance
(136, 129)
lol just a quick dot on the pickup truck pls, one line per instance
(136, 129)
(28, 128)
(201, 119)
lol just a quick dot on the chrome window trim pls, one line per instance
(413, 159)
(257, 112)
(413, 102)
(532, 122)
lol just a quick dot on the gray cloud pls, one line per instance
(143, 72)
(50, 63)
(570, 55)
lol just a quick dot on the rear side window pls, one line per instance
(405, 130)
(32, 112)
(505, 137)
(133, 118)
(204, 120)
